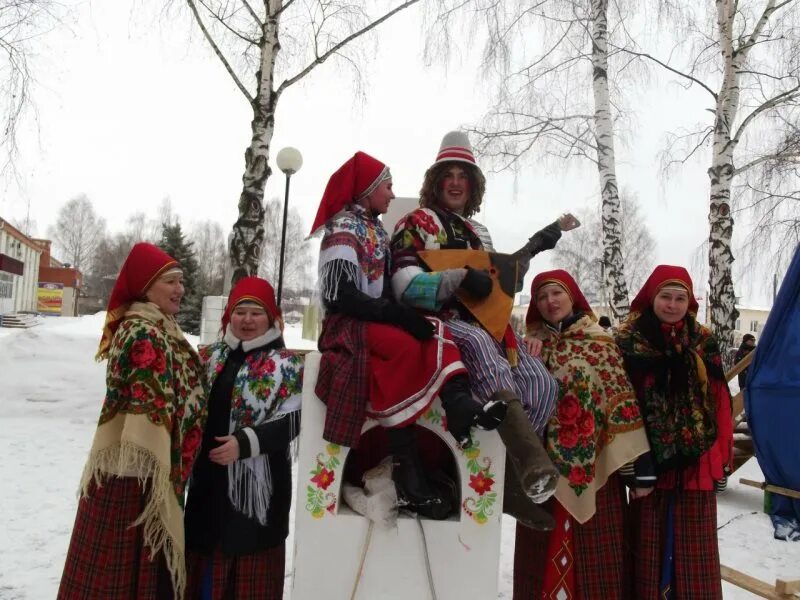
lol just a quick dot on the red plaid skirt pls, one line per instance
(381, 371)
(107, 557)
(599, 552)
(696, 553)
(223, 577)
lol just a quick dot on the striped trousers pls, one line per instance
(489, 372)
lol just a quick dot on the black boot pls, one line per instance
(414, 491)
(463, 412)
(517, 504)
(533, 466)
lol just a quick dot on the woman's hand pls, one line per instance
(534, 346)
(638, 493)
(226, 452)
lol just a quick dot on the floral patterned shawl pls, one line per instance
(151, 425)
(267, 387)
(355, 244)
(597, 427)
(670, 366)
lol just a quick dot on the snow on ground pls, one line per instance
(50, 394)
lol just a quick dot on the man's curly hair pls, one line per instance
(429, 195)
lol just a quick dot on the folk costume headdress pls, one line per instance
(670, 365)
(145, 263)
(254, 290)
(152, 419)
(597, 427)
(565, 281)
(355, 179)
(456, 148)
(266, 388)
(354, 243)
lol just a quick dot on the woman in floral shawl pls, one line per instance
(237, 511)
(128, 539)
(675, 366)
(594, 439)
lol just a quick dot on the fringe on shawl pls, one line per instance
(250, 479)
(332, 272)
(130, 458)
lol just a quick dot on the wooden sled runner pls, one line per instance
(338, 556)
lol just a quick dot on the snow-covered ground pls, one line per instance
(50, 394)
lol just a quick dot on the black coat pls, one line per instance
(211, 521)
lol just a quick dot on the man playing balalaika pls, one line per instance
(500, 367)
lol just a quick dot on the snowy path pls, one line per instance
(50, 393)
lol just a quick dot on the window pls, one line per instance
(738, 324)
(754, 326)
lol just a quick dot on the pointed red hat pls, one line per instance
(355, 179)
(144, 264)
(661, 277)
(251, 289)
(565, 280)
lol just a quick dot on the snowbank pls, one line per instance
(50, 394)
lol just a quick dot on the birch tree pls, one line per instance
(543, 105)
(745, 54)
(266, 48)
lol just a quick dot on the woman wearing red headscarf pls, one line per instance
(237, 511)
(675, 365)
(128, 539)
(379, 358)
(595, 434)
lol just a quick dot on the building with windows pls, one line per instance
(19, 270)
(751, 320)
(59, 276)
(31, 280)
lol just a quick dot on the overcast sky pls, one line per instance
(133, 109)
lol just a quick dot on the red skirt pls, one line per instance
(107, 558)
(221, 577)
(406, 374)
(379, 371)
(696, 553)
(599, 554)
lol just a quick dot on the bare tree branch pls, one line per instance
(786, 96)
(336, 47)
(218, 52)
(253, 14)
(672, 70)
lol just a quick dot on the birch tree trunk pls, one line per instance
(611, 214)
(722, 297)
(248, 230)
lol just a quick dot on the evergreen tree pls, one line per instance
(174, 243)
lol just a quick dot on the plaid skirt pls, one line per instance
(696, 553)
(220, 577)
(600, 569)
(107, 557)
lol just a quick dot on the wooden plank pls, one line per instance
(783, 586)
(775, 489)
(751, 584)
(740, 366)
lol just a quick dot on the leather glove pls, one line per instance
(477, 283)
(409, 320)
(545, 239)
(492, 415)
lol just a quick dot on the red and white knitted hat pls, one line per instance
(455, 147)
